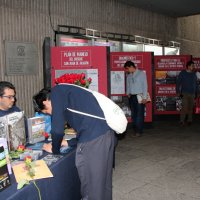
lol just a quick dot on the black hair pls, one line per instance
(38, 99)
(189, 63)
(129, 64)
(4, 85)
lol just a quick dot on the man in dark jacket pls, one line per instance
(95, 139)
(187, 87)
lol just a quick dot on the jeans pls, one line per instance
(137, 114)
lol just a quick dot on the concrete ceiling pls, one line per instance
(172, 8)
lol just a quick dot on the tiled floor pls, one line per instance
(163, 164)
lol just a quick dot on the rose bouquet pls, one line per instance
(77, 79)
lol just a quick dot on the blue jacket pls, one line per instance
(87, 128)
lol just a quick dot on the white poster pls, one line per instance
(117, 82)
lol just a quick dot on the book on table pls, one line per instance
(12, 127)
(3, 142)
(4, 175)
(36, 129)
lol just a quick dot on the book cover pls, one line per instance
(69, 134)
(3, 127)
(4, 175)
(13, 129)
(41, 171)
(3, 142)
(47, 119)
(16, 130)
(51, 158)
(36, 129)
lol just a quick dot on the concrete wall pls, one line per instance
(189, 35)
(29, 21)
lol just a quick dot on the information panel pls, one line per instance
(197, 68)
(167, 68)
(91, 60)
(143, 60)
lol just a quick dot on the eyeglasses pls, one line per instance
(9, 97)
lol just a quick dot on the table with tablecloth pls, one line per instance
(65, 185)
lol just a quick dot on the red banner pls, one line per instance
(119, 60)
(167, 68)
(143, 60)
(166, 90)
(196, 63)
(175, 62)
(79, 58)
(91, 60)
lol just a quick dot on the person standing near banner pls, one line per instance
(95, 139)
(187, 89)
(136, 83)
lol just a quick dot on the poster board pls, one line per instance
(197, 68)
(91, 60)
(167, 69)
(143, 60)
(196, 63)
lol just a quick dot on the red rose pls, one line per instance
(28, 159)
(20, 148)
(82, 75)
(83, 82)
(46, 135)
(90, 80)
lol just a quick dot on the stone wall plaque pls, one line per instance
(21, 58)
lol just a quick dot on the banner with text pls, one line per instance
(91, 60)
(167, 68)
(143, 60)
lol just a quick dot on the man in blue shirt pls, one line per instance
(187, 88)
(95, 139)
(136, 85)
(7, 98)
(8, 101)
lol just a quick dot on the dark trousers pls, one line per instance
(94, 162)
(137, 113)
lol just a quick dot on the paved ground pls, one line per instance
(163, 164)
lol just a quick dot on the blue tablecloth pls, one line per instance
(65, 185)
